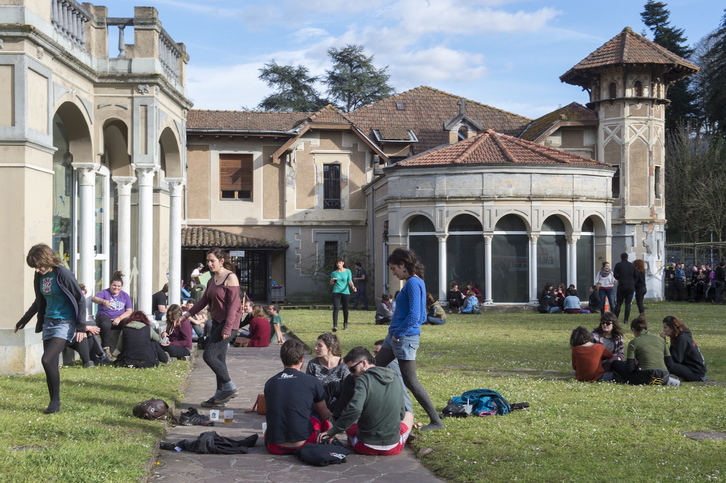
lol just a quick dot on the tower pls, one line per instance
(627, 79)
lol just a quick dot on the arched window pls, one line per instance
(423, 241)
(510, 260)
(465, 251)
(613, 90)
(638, 88)
(585, 258)
(552, 252)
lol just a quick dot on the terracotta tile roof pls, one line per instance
(424, 111)
(394, 133)
(572, 112)
(629, 48)
(495, 148)
(256, 121)
(204, 237)
(329, 115)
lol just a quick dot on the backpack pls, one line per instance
(152, 409)
(484, 402)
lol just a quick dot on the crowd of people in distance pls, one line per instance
(464, 302)
(699, 284)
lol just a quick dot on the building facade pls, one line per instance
(92, 153)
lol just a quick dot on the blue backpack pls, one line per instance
(485, 402)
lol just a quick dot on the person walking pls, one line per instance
(61, 313)
(404, 332)
(342, 281)
(640, 286)
(626, 275)
(360, 279)
(222, 296)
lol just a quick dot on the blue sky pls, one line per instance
(505, 53)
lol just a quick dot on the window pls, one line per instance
(656, 181)
(330, 255)
(235, 176)
(613, 90)
(616, 184)
(638, 87)
(331, 187)
(400, 106)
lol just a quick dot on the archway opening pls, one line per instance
(510, 261)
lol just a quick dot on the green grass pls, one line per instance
(573, 431)
(94, 437)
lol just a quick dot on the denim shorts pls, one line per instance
(404, 349)
(61, 328)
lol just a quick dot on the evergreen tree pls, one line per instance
(712, 78)
(354, 81)
(683, 106)
(295, 89)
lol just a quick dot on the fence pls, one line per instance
(696, 253)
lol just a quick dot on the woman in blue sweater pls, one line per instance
(403, 333)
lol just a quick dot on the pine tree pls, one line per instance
(712, 78)
(683, 106)
(295, 89)
(354, 81)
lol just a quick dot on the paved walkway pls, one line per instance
(249, 369)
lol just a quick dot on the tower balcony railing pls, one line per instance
(69, 19)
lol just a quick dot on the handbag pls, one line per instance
(241, 342)
(260, 406)
(152, 409)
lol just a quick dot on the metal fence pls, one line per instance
(696, 253)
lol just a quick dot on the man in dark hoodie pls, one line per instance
(626, 276)
(383, 424)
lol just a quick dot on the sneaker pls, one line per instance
(192, 417)
(89, 364)
(672, 381)
(226, 396)
(212, 403)
(107, 351)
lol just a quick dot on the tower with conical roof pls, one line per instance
(628, 79)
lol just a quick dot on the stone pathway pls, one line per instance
(250, 368)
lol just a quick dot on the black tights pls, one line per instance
(215, 355)
(338, 300)
(410, 380)
(52, 348)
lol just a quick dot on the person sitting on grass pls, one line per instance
(259, 333)
(296, 409)
(587, 357)
(593, 303)
(436, 315)
(471, 304)
(328, 366)
(384, 311)
(138, 344)
(571, 305)
(687, 362)
(547, 300)
(647, 358)
(609, 334)
(198, 321)
(176, 340)
(455, 297)
(276, 324)
(375, 420)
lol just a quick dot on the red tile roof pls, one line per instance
(572, 113)
(492, 148)
(424, 111)
(330, 115)
(204, 237)
(628, 48)
(256, 121)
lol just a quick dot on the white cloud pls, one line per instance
(226, 87)
(437, 64)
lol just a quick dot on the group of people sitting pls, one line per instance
(336, 395)
(435, 313)
(560, 300)
(598, 355)
(263, 328)
(465, 302)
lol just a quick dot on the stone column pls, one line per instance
(176, 186)
(123, 190)
(86, 217)
(572, 260)
(443, 283)
(145, 175)
(533, 295)
(488, 270)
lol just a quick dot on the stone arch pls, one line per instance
(170, 154)
(467, 218)
(410, 217)
(75, 128)
(561, 217)
(116, 148)
(503, 217)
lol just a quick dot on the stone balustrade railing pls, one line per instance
(69, 19)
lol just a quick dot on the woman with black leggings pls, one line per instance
(342, 281)
(223, 297)
(61, 310)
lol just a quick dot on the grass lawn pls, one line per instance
(94, 437)
(573, 431)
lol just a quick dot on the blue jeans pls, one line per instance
(435, 321)
(610, 294)
(404, 349)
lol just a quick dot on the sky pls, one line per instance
(508, 54)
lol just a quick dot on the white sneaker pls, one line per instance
(672, 381)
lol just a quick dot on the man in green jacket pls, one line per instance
(383, 424)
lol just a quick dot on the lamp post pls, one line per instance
(710, 231)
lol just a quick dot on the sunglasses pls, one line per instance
(606, 323)
(355, 365)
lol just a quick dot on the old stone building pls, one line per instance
(92, 153)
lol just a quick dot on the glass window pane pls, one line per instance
(511, 223)
(99, 214)
(585, 265)
(510, 268)
(465, 260)
(421, 224)
(551, 260)
(553, 223)
(465, 223)
(426, 247)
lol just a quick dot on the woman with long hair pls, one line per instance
(176, 340)
(404, 332)
(640, 287)
(260, 328)
(114, 305)
(328, 366)
(435, 313)
(342, 281)
(605, 280)
(222, 296)
(686, 360)
(61, 313)
(138, 344)
(611, 335)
